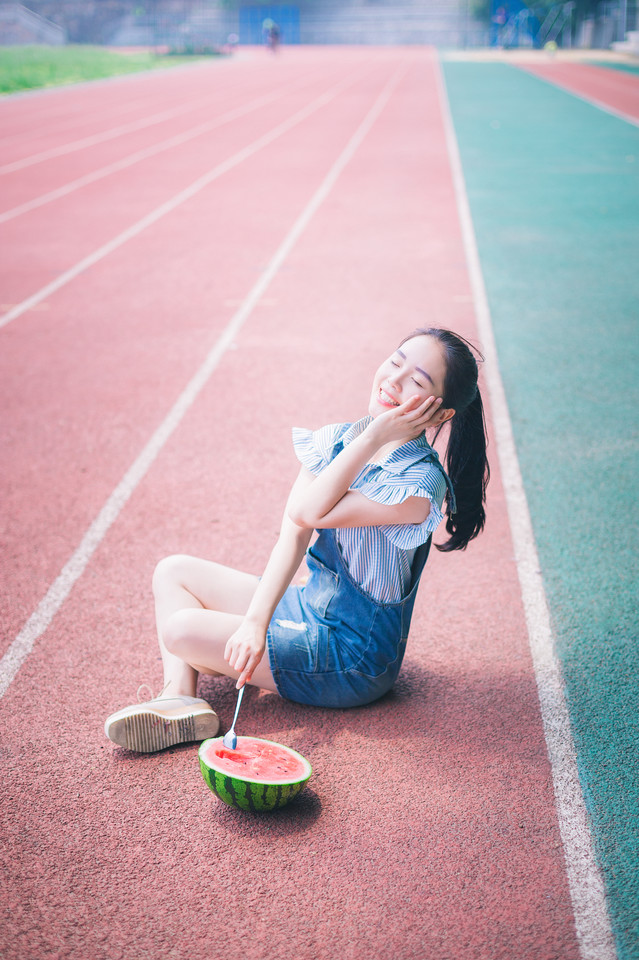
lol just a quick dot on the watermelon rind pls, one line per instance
(245, 793)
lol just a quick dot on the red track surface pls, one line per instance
(610, 88)
(428, 830)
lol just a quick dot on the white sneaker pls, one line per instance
(160, 723)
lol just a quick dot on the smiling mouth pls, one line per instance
(386, 400)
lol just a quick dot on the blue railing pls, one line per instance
(287, 18)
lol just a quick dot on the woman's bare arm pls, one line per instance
(245, 648)
(326, 500)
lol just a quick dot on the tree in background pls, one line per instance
(484, 9)
(500, 14)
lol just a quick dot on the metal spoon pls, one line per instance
(230, 740)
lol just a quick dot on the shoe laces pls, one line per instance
(145, 692)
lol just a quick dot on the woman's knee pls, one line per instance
(169, 572)
(177, 630)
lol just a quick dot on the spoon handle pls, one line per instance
(237, 706)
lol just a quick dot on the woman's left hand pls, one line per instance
(244, 650)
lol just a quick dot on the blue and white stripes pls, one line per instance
(379, 558)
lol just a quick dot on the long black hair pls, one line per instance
(465, 458)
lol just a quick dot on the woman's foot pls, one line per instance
(161, 723)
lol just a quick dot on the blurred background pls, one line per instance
(201, 26)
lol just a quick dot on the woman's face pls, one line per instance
(417, 368)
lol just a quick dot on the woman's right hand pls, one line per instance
(244, 650)
(406, 421)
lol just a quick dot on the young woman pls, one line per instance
(374, 491)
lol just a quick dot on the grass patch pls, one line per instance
(25, 68)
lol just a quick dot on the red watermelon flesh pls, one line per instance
(256, 760)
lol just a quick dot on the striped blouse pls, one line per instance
(379, 558)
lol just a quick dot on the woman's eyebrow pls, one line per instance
(419, 369)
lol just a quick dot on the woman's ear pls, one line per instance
(444, 415)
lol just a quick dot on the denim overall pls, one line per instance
(330, 644)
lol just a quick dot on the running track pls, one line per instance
(192, 261)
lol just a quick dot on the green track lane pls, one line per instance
(553, 186)
(623, 65)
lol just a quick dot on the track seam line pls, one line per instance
(111, 134)
(168, 206)
(60, 589)
(585, 881)
(139, 155)
(592, 101)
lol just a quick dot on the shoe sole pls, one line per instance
(147, 732)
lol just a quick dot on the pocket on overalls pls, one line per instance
(296, 646)
(321, 587)
(385, 644)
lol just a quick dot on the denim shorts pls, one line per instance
(329, 643)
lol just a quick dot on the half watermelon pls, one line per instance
(258, 775)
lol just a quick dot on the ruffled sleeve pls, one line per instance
(395, 489)
(316, 448)
(413, 470)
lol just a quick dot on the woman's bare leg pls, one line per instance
(198, 606)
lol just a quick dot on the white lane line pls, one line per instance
(173, 203)
(111, 134)
(139, 155)
(60, 589)
(593, 101)
(587, 891)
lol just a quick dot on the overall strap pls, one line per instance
(418, 564)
